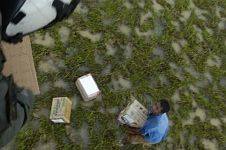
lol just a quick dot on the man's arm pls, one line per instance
(152, 137)
(133, 130)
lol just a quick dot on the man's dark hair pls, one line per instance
(165, 106)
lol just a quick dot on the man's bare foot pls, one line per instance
(125, 141)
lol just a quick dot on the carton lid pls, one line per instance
(88, 84)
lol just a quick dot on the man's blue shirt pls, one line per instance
(155, 128)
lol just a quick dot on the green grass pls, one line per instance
(140, 69)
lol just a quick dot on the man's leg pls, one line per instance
(136, 139)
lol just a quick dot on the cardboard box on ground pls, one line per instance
(87, 87)
(134, 115)
(61, 106)
(61, 110)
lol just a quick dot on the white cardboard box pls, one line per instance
(134, 115)
(61, 110)
(87, 87)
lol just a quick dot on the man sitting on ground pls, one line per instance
(155, 128)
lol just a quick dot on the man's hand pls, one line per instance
(133, 131)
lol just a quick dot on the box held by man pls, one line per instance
(134, 115)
